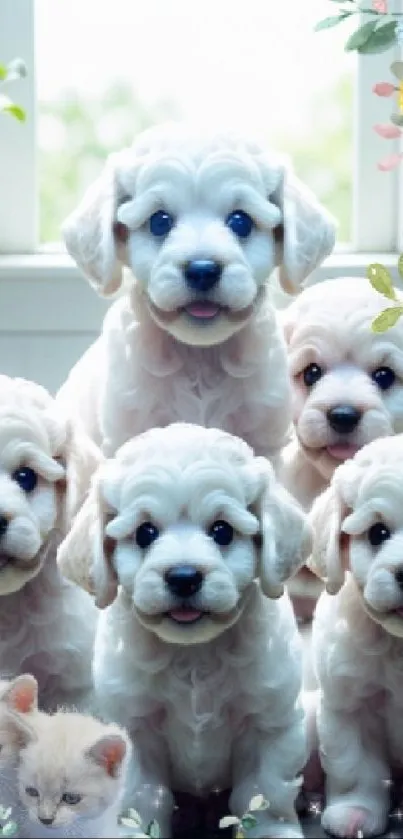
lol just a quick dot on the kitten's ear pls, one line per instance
(109, 752)
(22, 694)
(23, 731)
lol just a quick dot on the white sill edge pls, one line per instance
(59, 265)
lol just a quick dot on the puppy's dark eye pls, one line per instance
(378, 533)
(146, 533)
(240, 223)
(32, 792)
(384, 377)
(222, 533)
(26, 478)
(71, 798)
(312, 374)
(161, 223)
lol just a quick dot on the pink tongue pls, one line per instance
(203, 310)
(342, 451)
(185, 615)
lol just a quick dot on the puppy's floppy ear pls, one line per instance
(285, 537)
(329, 558)
(90, 232)
(81, 459)
(85, 555)
(307, 234)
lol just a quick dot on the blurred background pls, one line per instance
(106, 71)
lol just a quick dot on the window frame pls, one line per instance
(376, 211)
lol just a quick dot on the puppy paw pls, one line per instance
(345, 820)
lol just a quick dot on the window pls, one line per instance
(100, 72)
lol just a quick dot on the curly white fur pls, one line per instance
(359, 662)
(157, 361)
(47, 624)
(212, 702)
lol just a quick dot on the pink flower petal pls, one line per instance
(388, 131)
(384, 89)
(389, 163)
(380, 6)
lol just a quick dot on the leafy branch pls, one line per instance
(132, 820)
(248, 820)
(7, 828)
(16, 69)
(374, 36)
(381, 280)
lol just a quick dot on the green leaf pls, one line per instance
(7, 106)
(130, 818)
(16, 69)
(328, 22)
(228, 821)
(400, 265)
(361, 35)
(381, 39)
(381, 280)
(248, 821)
(258, 803)
(3, 72)
(153, 830)
(9, 829)
(387, 319)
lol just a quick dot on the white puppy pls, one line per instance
(200, 666)
(47, 625)
(358, 636)
(347, 384)
(201, 221)
(347, 380)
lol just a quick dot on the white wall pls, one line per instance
(46, 323)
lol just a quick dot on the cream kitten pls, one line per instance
(19, 695)
(71, 775)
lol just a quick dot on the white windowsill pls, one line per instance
(46, 292)
(59, 266)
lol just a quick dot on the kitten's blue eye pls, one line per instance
(32, 792)
(161, 223)
(26, 478)
(146, 533)
(71, 798)
(240, 223)
(384, 377)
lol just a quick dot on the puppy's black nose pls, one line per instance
(202, 274)
(343, 418)
(183, 580)
(3, 525)
(45, 821)
(399, 576)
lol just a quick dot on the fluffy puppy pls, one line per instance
(358, 636)
(201, 220)
(347, 384)
(46, 624)
(200, 662)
